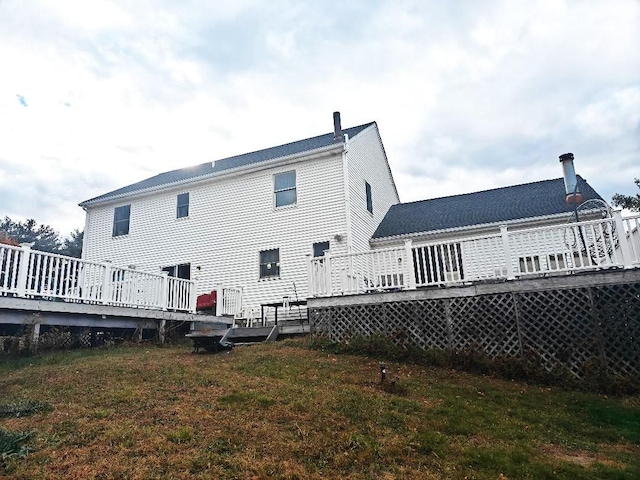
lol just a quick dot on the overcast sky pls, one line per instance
(468, 95)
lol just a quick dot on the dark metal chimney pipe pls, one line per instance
(337, 128)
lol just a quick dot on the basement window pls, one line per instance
(556, 262)
(529, 264)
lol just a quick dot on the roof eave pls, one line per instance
(293, 158)
(466, 228)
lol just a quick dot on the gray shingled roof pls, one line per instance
(538, 199)
(182, 174)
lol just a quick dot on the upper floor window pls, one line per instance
(367, 189)
(182, 209)
(270, 263)
(320, 248)
(284, 188)
(121, 216)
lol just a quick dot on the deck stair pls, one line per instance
(207, 339)
(214, 334)
(210, 322)
(242, 335)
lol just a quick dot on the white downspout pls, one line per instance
(83, 256)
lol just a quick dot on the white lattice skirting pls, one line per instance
(563, 326)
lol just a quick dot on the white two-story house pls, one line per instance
(250, 220)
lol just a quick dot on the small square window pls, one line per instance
(182, 209)
(320, 248)
(284, 188)
(270, 263)
(367, 189)
(121, 216)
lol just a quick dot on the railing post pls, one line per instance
(310, 277)
(219, 301)
(23, 272)
(164, 292)
(327, 274)
(625, 248)
(409, 274)
(239, 301)
(506, 250)
(106, 283)
(193, 297)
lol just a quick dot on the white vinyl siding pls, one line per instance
(367, 163)
(231, 219)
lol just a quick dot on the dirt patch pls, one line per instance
(578, 457)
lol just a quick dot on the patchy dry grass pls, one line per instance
(283, 411)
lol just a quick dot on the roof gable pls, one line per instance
(530, 200)
(229, 163)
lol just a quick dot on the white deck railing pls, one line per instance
(231, 303)
(509, 254)
(33, 274)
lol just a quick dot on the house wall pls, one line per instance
(367, 161)
(230, 221)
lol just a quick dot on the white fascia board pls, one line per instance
(231, 172)
(480, 228)
(384, 152)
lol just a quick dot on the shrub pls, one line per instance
(528, 367)
(12, 444)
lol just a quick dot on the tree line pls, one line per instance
(43, 237)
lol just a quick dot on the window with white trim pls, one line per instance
(182, 205)
(284, 188)
(121, 216)
(367, 189)
(270, 263)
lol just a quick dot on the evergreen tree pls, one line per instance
(43, 237)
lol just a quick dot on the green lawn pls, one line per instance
(281, 410)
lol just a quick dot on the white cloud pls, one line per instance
(468, 95)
